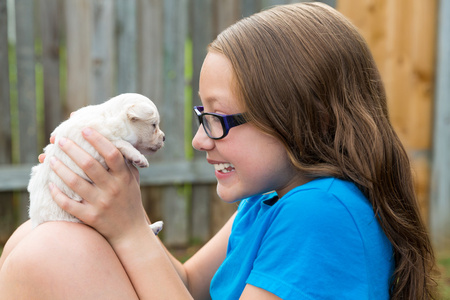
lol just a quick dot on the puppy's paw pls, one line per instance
(157, 227)
(131, 154)
(140, 161)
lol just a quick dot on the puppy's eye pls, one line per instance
(154, 126)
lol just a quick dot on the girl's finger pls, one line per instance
(41, 157)
(82, 187)
(113, 157)
(93, 169)
(67, 204)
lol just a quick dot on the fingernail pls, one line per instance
(50, 186)
(87, 131)
(52, 160)
(62, 141)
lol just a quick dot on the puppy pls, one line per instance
(129, 121)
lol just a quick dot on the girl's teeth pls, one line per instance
(224, 168)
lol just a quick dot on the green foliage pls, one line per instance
(444, 282)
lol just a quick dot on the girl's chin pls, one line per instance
(225, 195)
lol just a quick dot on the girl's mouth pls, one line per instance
(224, 168)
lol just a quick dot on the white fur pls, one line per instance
(129, 121)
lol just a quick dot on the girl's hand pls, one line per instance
(112, 202)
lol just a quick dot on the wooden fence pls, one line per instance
(61, 55)
(66, 54)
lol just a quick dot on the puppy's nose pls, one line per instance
(164, 138)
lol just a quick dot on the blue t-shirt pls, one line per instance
(320, 241)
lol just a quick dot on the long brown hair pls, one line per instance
(306, 76)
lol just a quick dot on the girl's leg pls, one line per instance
(63, 260)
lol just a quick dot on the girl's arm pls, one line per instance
(112, 205)
(201, 267)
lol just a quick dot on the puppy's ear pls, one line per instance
(138, 112)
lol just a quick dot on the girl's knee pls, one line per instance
(19, 234)
(67, 258)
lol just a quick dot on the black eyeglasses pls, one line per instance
(216, 125)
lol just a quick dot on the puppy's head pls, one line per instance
(143, 119)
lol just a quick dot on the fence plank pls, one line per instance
(5, 117)
(150, 49)
(126, 50)
(102, 51)
(440, 191)
(175, 172)
(422, 78)
(26, 81)
(331, 3)
(227, 13)
(175, 33)
(50, 19)
(6, 198)
(249, 7)
(269, 3)
(26, 89)
(78, 41)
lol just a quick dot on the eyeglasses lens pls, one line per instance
(213, 126)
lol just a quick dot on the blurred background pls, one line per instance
(57, 56)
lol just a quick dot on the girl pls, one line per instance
(295, 122)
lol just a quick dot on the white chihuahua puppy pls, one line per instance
(130, 121)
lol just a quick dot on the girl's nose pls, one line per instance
(201, 141)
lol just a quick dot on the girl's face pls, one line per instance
(247, 161)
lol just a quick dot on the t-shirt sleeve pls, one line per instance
(311, 250)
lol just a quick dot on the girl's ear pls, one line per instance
(139, 111)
